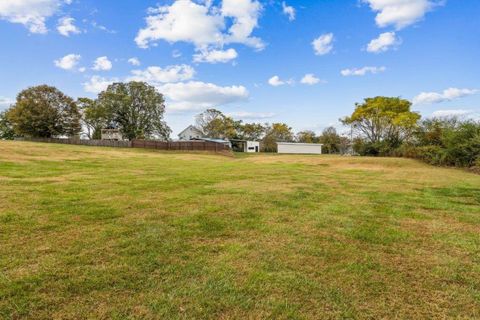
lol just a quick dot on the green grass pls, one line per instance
(133, 234)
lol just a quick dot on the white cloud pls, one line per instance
(400, 13)
(157, 75)
(323, 44)
(68, 62)
(383, 43)
(215, 56)
(446, 95)
(362, 71)
(203, 24)
(275, 81)
(289, 11)
(134, 61)
(97, 84)
(102, 64)
(196, 95)
(66, 26)
(191, 95)
(251, 115)
(245, 14)
(452, 113)
(30, 13)
(184, 21)
(310, 79)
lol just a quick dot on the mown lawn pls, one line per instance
(96, 233)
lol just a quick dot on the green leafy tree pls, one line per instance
(252, 131)
(307, 136)
(331, 140)
(95, 117)
(214, 124)
(44, 112)
(276, 132)
(137, 109)
(383, 122)
(6, 128)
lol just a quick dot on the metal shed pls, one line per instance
(299, 148)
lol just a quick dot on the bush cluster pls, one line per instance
(442, 142)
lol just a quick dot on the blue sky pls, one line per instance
(305, 63)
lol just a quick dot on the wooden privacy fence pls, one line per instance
(93, 143)
(181, 145)
(208, 146)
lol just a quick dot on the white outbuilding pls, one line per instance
(299, 148)
(245, 146)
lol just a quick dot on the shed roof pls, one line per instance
(300, 144)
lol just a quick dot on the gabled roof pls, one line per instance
(192, 127)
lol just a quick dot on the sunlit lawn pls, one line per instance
(89, 233)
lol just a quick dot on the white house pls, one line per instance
(190, 133)
(299, 148)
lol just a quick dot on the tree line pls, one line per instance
(213, 123)
(379, 126)
(135, 108)
(386, 126)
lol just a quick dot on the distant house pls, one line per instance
(112, 134)
(190, 133)
(299, 148)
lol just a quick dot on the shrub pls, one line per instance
(463, 144)
(365, 148)
(447, 142)
(435, 155)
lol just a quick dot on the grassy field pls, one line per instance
(132, 234)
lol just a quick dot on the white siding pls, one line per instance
(189, 134)
(252, 146)
(299, 148)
